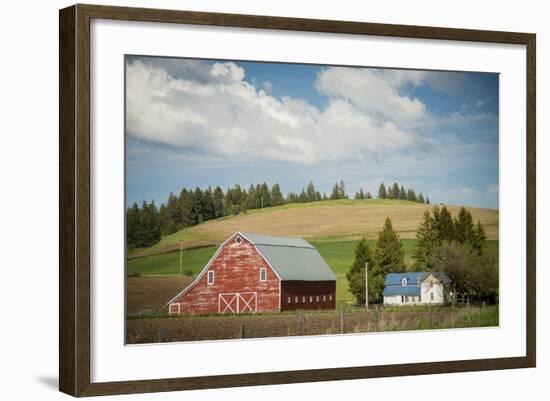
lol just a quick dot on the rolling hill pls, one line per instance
(337, 220)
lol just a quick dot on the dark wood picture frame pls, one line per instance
(74, 203)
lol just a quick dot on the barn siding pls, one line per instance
(236, 269)
(307, 289)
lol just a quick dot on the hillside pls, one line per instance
(336, 220)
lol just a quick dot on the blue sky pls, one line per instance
(204, 123)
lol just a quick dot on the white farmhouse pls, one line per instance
(417, 288)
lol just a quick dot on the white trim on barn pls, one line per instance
(170, 308)
(229, 297)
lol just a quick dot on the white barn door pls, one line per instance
(238, 302)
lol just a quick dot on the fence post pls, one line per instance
(377, 318)
(342, 321)
(241, 334)
(430, 315)
(300, 323)
(162, 335)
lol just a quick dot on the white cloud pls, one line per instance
(374, 91)
(209, 109)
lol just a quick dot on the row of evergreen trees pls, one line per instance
(399, 192)
(455, 246)
(192, 207)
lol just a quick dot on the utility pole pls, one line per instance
(366, 285)
(181, 255)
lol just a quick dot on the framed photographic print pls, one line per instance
(291, 198)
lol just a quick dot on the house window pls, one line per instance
(317, 298)
(324, 298)
(263, 274)
(330, 297)
(304, 300)
(431, 296)
(310, 299)
(295, 300)
(238, 239)
(289, 299)
(404, 281)
(210, 277)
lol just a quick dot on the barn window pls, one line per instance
(289, 299)
(210, 277)
(324, 298)
(330, 297)
(238, 239)
(303, 299)
(317, 298)
(310, 299)
(296, 300)
(263, 274)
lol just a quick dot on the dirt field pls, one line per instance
(150, 294)
(193, 328)
(340, 219)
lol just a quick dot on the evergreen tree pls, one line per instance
(382, 194)
(427, 242)
(277, 198)
(264, 195)
(197, 215)
(444, 225)
(173, 218)
(311, 193)
(411, 195)
(402, 193)
(342, 191)
(356, 273)
(132, 226)
(395, 191)
(335, 194)
(303, 196)
(368, 195)
(420, 198)
(478, 240)
(185, 201)
(218, 202)
(208, 204)
(464, 227)
(427, 200)
(388, 256)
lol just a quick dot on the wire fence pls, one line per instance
(305, 323)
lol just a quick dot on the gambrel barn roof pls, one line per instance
(291, 258)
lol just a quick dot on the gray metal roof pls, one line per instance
(292, 258)
(259, 239)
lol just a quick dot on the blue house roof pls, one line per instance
(412, 278)
(394, 284)
(401, 290)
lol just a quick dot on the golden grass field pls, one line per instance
(326, 220)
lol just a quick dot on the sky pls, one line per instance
(192, 122)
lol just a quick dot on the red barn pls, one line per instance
(258, 273)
